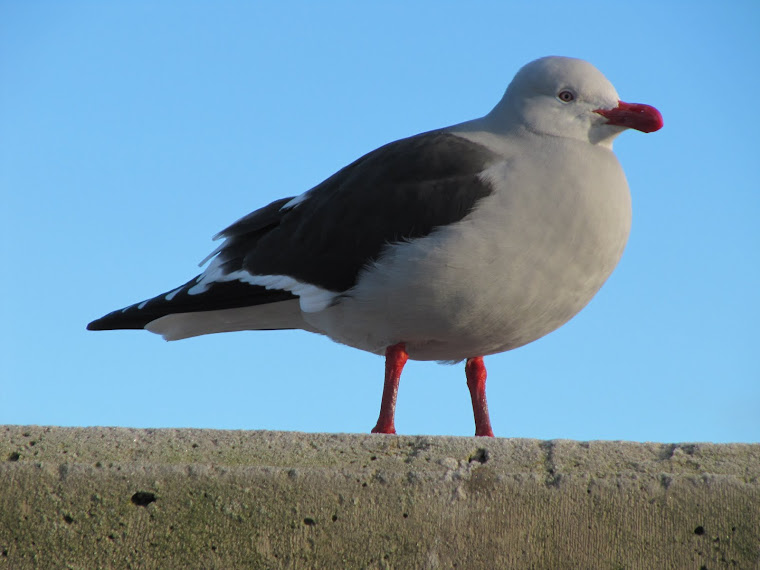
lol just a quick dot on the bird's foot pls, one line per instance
(389, 429)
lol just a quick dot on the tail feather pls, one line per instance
(272, 316)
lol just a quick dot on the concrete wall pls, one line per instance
(129, 498)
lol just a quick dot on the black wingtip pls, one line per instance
(116, 321)
(223, 295)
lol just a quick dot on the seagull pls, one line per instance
(449, 245)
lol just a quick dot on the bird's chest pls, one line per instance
(527, 259)
(522, 263)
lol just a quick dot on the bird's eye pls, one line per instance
(566, 96)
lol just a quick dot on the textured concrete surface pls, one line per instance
(129, 498)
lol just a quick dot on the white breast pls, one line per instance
(525, 261)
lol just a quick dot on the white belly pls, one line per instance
(525, 261)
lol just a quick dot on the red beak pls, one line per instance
(633, 116)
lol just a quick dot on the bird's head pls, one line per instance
(570, 98)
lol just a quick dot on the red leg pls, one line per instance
(475, 370)
(395, 358)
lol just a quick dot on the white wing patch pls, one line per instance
(295, 201)
(171, 294)
(311, 298)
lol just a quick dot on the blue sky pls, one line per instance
(131, 132)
